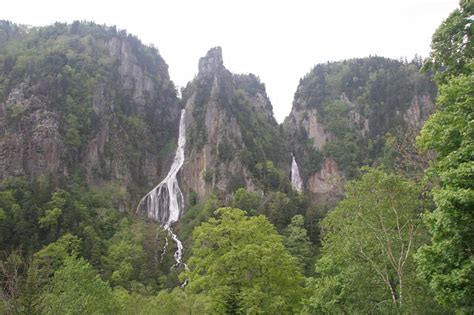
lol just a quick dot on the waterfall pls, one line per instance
(165, 202)
(296, 181)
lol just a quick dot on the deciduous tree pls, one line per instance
(240, 263)
(367, 255)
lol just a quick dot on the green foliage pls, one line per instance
(358, 101)
(226, 151)
(73, 73)
(53, 213)
(268, 175)
(279, 208)
(241, 265)
(76, 288)
(79, 222)
(207, 176)
(12, 270)
(15, 112)
(367, 256)
(197, 135)
(260, 134)
(447, 263)
(452, 51)
(124, 254)
(192, 198)
(177, 301)
(197, 214)
(297, 241)
(51, 258)
(247, 201)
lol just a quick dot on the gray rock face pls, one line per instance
(212, 63)
(33, 128)
(222, 129)
(306, 121)
(134, 77)
(326, 183)
(30, 144)
(420, 108)
(309, 119)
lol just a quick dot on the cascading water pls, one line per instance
(296, 181)
(165, 202)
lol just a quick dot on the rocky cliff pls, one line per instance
(233, 138)
(343, 111)
(84, 101)
(92, 104)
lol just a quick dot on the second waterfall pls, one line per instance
(165, 202)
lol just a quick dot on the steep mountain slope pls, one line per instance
(233, 139)
(84, 101)
(342, 112)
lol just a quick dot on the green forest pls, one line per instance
(397, 239)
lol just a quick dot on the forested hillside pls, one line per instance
(345, 114)
(381, 223)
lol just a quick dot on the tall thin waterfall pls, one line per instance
(165, 202)
(296, 181)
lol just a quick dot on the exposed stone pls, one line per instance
(420, 108)
(33, 127)
(211, 63)
(327, 183)
(221, 126)
(309, 119)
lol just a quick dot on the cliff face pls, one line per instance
(84, 100)
(342, 112)
(227, 115)
(89, 102)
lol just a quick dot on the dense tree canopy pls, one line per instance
(65, 248)
(367, 255)
(448, 262)
(243, 266)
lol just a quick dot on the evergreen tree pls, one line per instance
(297, 241)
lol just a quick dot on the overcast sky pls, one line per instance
(279, 41)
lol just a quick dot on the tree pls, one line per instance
(278, 209)
(448, 262)
(240, 263)
(177, 301)
(43, 267)
(76, 288)
(297, 241)
(247, 200)
(51, 257)
(11, 276)
(452, 50)
(367, 255)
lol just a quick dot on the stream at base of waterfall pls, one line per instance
(165, 202)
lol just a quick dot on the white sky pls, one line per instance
(279, 41)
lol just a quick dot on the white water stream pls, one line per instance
(296, 181)
(165, 202)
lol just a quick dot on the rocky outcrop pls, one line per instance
(351, 105)
(215, 138)
(31, 143)
(310, 121)
(203, 172)
(132, 111)
(326, 183)
(421, 107)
